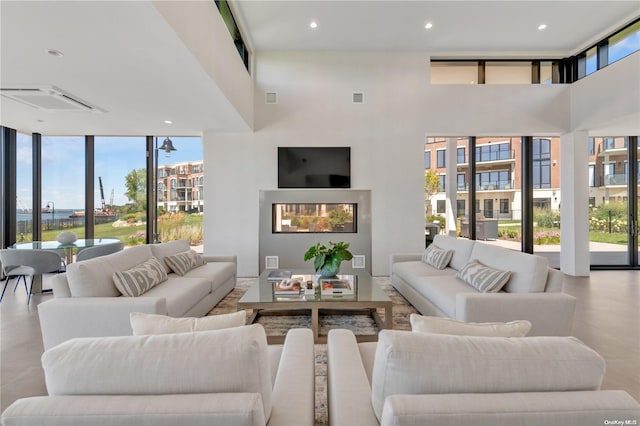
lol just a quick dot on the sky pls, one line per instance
(63, 167)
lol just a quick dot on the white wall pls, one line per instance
(386, 135)
(607, 102)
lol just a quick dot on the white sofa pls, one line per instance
(533, 292)
(87, 303)
(224, 377)
(413, 379)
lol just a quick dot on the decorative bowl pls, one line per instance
(67, 237)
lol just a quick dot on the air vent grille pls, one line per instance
(271, 97)
(358, 98)
(48, 98)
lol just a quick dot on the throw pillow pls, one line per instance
(181, 263)
(437, 257)
(140, 279)
(143, 324)
(437, 325)
(483, 278)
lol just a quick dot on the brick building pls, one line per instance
(181, 187)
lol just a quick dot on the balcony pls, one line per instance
(615, 180)
(490, 186)
(486, 160)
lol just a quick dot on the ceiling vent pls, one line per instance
(48, 98)
(270, 97)
(358, 98)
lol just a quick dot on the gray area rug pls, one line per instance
(360, 324)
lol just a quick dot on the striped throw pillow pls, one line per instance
(483, 278)
(181, 263)
(140, 279)
(437, 257)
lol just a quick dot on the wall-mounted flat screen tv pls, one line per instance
(314, 167)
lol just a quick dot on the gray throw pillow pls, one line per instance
(483, 278)
(181, 263)
(140, 279)
(437, 257)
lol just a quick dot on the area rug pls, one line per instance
(360, 324)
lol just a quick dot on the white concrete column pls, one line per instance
(574, 209)
(451, 185)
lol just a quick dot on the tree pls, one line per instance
(431, 187)
(136, 183)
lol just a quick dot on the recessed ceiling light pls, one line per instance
(40, 121)
(542, 26)
(168, 122)
(54, 52)
(428, 25)
(313, 24)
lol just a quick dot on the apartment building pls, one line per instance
(181, 187)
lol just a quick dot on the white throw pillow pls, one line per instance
(438, 325)
(144, 324)
(437, 257)
(181, 263)
(136, 281)
(483, 278)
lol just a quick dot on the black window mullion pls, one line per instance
(151, 191)
(527, 194)
(632, 229)
(472, 187)
(9, 170)
(37, 186)
(89, 182)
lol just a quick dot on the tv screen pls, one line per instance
(314, 167)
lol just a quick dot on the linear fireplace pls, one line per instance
(292, 220)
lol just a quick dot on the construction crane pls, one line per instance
(101, 193)
(111, 199)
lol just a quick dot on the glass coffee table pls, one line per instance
(367, 298)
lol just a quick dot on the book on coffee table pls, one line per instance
(336, 287)
(287, 287)
(279, 275)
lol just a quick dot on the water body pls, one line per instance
(59, 214)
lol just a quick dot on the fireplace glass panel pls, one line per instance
(314, 218)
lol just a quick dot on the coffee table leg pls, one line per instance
(388, 317)
(315, 324)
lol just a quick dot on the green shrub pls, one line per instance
(437, 218)
(546, 218)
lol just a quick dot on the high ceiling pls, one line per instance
(125, 59)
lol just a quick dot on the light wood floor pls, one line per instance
(607, 319)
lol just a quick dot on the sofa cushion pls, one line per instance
(441, 291)
(424, 363)
(438, 325)
(216, 272)
(219, 361)
(461, 249)
(94, 277)
(162, 250)
(181, 293)
(483, 278)
(183, 262)
(416, 268)
(140, 279)
(142, 323)
(437, 257)
(528, 271)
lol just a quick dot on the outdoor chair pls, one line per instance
(97, 251)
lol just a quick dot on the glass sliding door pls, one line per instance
(609, 202)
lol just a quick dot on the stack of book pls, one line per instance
(279, 275)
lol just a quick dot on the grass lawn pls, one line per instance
(605, 237)
(100, 231)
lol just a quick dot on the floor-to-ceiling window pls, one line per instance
(63, 188)
(120, 188)
(24, 187)
(546, 198)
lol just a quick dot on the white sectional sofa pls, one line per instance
(225, 377)
(533, 292)
(413, 379)
(87, 302)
